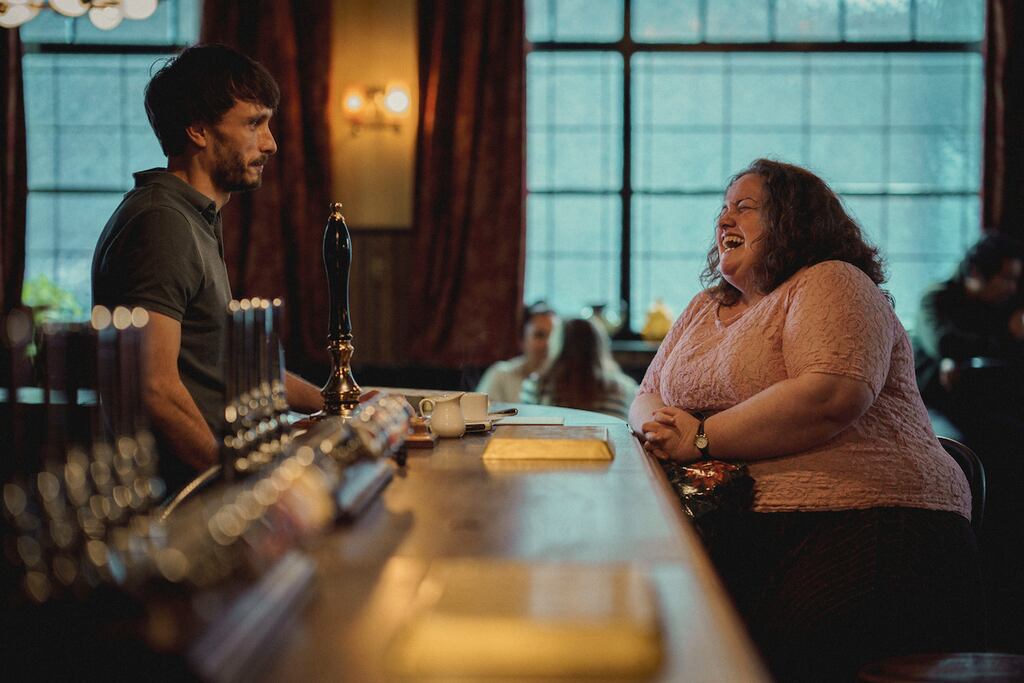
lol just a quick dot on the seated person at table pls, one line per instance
(969, 351)
(858, 544)
(581, 374)
(501, 381)
(975, 314)
(162, 249)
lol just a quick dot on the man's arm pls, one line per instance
(172, 411)
(302, 396)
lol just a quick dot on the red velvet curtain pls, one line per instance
(14, 183)
(273, 237)
(1003, 171)
(469, 231)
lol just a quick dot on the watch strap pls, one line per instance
(700, 440)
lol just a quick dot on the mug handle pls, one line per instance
(423, 406)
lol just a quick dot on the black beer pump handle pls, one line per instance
(338, 263)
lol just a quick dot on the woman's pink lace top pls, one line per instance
(828, 318)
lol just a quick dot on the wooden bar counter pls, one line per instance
(448, 504)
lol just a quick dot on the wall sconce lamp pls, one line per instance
(374, 107)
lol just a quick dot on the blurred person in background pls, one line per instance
(969, 339)
(502, 381)
(581, 373)
(969, 357)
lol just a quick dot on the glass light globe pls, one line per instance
(16, 15)
(105, 18)
(138, 9)
(70, 8)
(396, 99)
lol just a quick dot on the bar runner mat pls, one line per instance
(549, 443)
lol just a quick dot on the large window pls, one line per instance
(87, 132)
(638, 112)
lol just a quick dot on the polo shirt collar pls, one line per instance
(164, 178)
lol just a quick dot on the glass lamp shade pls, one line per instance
(138, 9)
(70, 8)
(15, 15)
(396, 99)
(105, 18)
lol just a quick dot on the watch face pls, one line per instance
(700, 441)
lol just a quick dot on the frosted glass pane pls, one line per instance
(683, 90)
(672, 237)
(46, 27)
(40, 263)
(679, 226)
(804, 20)
(89, 90)
(74, 274)
(573, 247)
(42, 159)
(143, 151)
(738, 20)
(781, 146)
(928, 161)
(41, 220)
(40, 104)
(767, 92)
(580, 283)
(850, 160)
(878, 19)
(847, 90)
(81, 218)
(930, 226)
(574, 121)
(908, 280)
(662, 21)
(574, 224)
(573, 20)
(950, 20)
(931, 88)
(90, 158)
(668, 160)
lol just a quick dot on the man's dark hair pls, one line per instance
(987, 255)
(534, 309)
(804, 224)
(200, 85)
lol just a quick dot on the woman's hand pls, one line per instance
(670, 435)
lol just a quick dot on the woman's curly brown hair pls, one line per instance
(804, 224)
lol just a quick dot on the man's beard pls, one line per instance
(230, 172)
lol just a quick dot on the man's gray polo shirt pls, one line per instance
(163, 250)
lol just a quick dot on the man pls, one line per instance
(502, 381)
(162, 249)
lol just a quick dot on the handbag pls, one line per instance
(710, 492)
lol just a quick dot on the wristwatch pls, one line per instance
(700, 441)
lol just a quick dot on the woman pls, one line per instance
(582, 374)
(858, 544)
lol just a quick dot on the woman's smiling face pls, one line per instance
(739, 231)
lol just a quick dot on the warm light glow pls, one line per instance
(70, 8)
(138, 9)
(16, 15)
(396, 99)
(354, 100)
(106, 18)
(372, 107)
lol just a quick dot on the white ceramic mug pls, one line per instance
(445, 413)
(474, 406)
